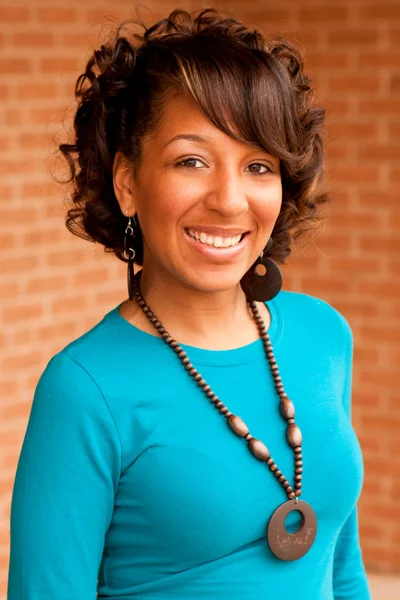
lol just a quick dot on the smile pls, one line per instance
(215, 241)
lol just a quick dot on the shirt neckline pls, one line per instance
(205, 356)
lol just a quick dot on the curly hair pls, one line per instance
(252, 89)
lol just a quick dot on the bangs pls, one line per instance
(244, 92)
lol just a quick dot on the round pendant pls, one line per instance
(291, 546)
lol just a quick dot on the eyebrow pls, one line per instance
(188, 136)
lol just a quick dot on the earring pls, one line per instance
(263, 280)
(129, 254)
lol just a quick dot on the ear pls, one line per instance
(123, 182)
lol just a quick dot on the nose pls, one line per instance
(227, 195)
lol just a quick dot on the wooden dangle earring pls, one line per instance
(129, 254)
(263, 280)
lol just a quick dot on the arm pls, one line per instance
(349, 576)
(64, 488)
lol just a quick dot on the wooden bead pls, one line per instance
(292, 495)
(258, 449)
(297, 493)
(287, 408)
(238, 426)
(298, 477)
(289, 488)
(293, 435)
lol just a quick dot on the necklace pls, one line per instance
(284, 545)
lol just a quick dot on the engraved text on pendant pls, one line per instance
(291, 546)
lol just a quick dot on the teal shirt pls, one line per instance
(131, 484)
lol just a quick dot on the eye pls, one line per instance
(184, 163)
(268, 169)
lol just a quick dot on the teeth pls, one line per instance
(216, 241)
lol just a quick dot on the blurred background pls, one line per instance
(53, 286)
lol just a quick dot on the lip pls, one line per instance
(223, 232)
(219, 255)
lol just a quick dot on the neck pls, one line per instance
(213, 320)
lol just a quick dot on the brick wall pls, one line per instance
(53, 286)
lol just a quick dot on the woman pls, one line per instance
(198, 156)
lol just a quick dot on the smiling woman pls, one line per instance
(198, 157)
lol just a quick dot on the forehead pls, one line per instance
(182, 115)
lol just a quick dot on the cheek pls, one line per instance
(160, 213)
(269, 205)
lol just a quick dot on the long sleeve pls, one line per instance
(64, 488)
(349, 576)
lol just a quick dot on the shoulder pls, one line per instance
(77, 365)
(313, 314)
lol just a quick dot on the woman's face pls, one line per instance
(206, 203)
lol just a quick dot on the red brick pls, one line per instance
(45, 237)
(355, 174)
(31, 39)
(92, 276)
(348, 37)
(323, 14)
(33, 91)
(395, 82)
(13, 117)
(379, 243)
(354, 83)
(61, 65)
(20, 362)
(106, 16)
(337, 107)
(14, 14)
(379, 59)
(388, 152)
(15, 66)
(63, 329)
(41, 285)
(21, 312)
(378, 289)
(382, 106)
(353, 129)
(380, 10)
(57, 15)
(394, 36)
(327, 60)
